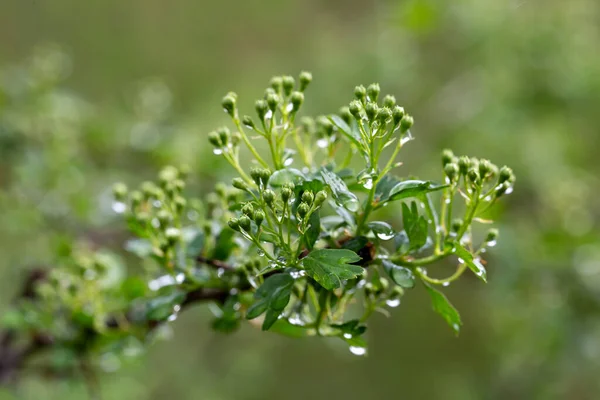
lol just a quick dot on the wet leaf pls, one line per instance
(342, 195)
(402, 276)
(351, 132)
(442, 306)
(283, 176)
(330, 266)
(473, 263)
(415, 226)
(382, 230)
(412, 188)
(271, 297)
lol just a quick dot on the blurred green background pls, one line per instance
(97, 91)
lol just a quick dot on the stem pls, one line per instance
(459, 271)
(257, 156)
(469, 214)
(419, 261)
(434, 220)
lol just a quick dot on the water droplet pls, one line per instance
(173, 316)
(288, 162)
(269, 114)
(509, 190)
(368, 184)
(488, 198)
(461, 261)
(297, 274)
(446, 284)
(492, 243)
(249, 127)
(260, 253)
(119, 207)
(456, 327)
(289, 107)
(160, 282)
(322, 143)
(393, 302)
(217, 152)
(448, 201)
(385, 236)
(180, 278)
(220, 272)
(347, 336)
(296, 320)
(352, 205)
(358, 351)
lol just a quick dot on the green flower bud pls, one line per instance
(119, 191)
(224, 135)
(289, 185)
(149, 189)
(464, 163)
(492, 235)
(245, 223)
(288, 84)
(345, 115)
(259, 217)
(369, 289)
(234, 224)
(180, 203)
(268, 196)
(265, 175)
(269, 92)
(172, 235)
(320, 198)
(325, 125)
(239, 183)
(167, 174)
(355, 109)
(255, 174)
(305, 80)
(371, 110)
(473, 176)
(207, 228)
(214, 139)
(303, 209)
(397, 292)
(229, 103)
(248, 123)
(506, 175)
(164, 217)
(389, 101)
(360, 93)
(286, 194)
(136, 198)
(485, 167)
(384, 114)
(397, 114)
(276, 83)
(384, 284)
(221, 189)
(178, 185)
(272, 101)
(406, 123)
(235, 138)
(502, 188)
(248, 210)
(373, 92)
(456, 225)
(261, 107)
(308, 197)
(297, 99)
(451, 170)
(447, 157)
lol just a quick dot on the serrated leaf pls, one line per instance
(473, 263)
(283, 176)
(330, 266)
(415, 226)
(342, 195)
(351, 132)
(413, 188)
(271, 297)
(442, 306)
(402, 276)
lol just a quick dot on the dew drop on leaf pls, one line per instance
(385, 236)
(358, 351)
(347, 336)
(322, 143)
(393, 303)
(217, 152)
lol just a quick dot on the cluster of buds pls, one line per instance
(379, 290)
(477, 173)
(223, 140)
(155, 211)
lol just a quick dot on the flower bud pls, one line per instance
(180, 203)
(166, 175)
(371, 110)
(464, 163)
(451, 171)
(288, 84)
(505, 175)
(485, 167)
(384, 284)
(308, 197)
(259, 217)
(303, 209)
(224, 135)
(305, 80)
(456, 225)
(221, 189)
(502, 188)
(289, 185)
(239, 183)
(235, 138)
(345, 115)
(214, 139)
(234, 224)
(286, 194)
(355, 109)
(136, 198)
(276, 83)
(265, 175)
(172, 235)
(383, 115)
(272, 101)
(447, 157)
(297, 99)
(406, 123)
(389, 101)
(373, 92)
(320, 198)
(473, 176)
(248, 210)
(261, 107)
(492, 235)
(369, 288)
(325, 125)
(397, 114)
(119, 191)
(248, 123)
(268, 196)
(245, 223)
(142, 217)
(255, 174)
(149, 189)
(178, 185)
(229, 103)
(360, 93)
(164, 217)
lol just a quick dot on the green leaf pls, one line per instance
(271, 297)
(341, 194)
(382, 230)
(351, 132)
(474, 264)
(442, 306)
(352, 328)
(196, 245)
(384, 187)
(283, 327)
(413, 188)
(314, 230)
(224, 245)
(415, 226)
(402, 276)
(330, 266)
(288, 175)
(356, 244)
(160, 308)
